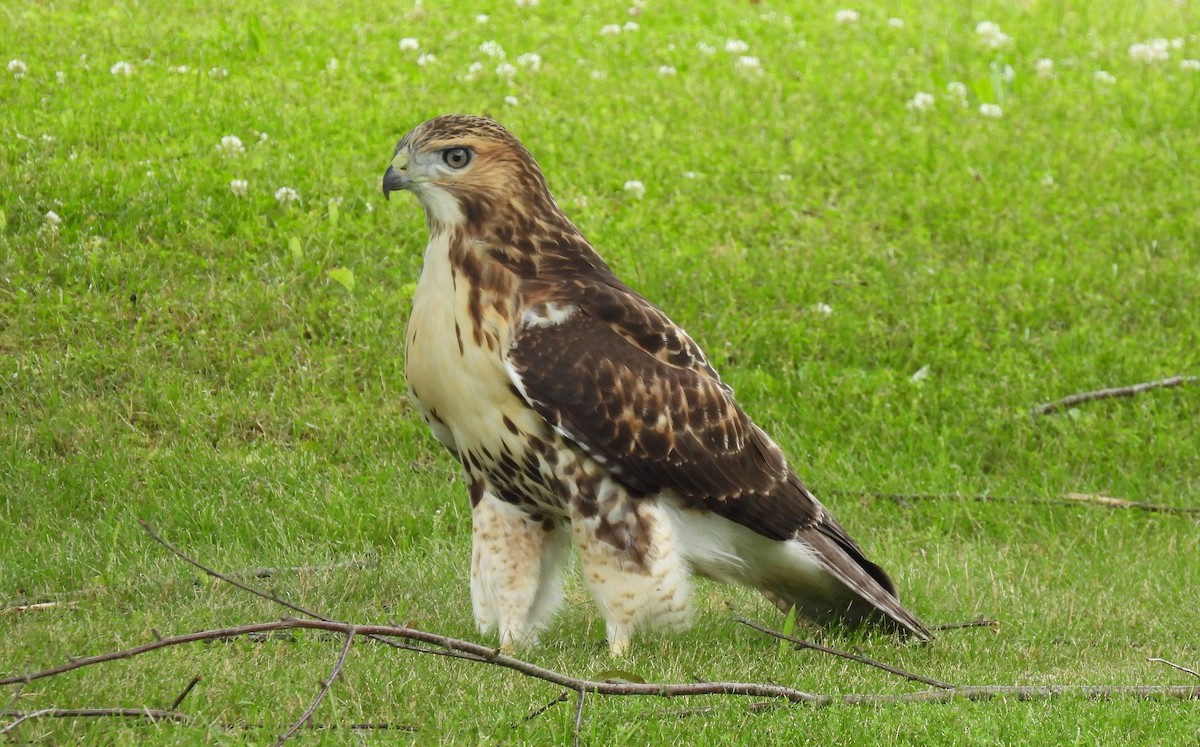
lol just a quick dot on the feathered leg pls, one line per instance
(631, 562)
(516, 570)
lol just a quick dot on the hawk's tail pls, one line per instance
(854, 591)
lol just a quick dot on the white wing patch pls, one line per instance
(547, 314)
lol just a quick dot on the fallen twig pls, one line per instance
(149, 714)
(271, 597)
(980, 623)
(1120, 391)
(175, 704)
(1192, 672)
(1071, 499)
(346, 565)
(560, 698)
(800, 643)
(328, 683)
(578, 718)
(17, 608)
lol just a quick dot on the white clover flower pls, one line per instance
(666, 70)
(611, 29)
(218, 73)
(991, 111)
(17, 68)
(473, 71)
(263, 137)
(1104, 76)
(991, 34)
(846, 16)
(286, 195)
(239, 187)
(630, 27)
(482, 18)
(492, 49)
(1177, 43)
(922, 101)
(706, 49)
(60, 77)
(1047, 180)
(957, 89)
(1151, 52)
(987, 28)
(527, 3)
(749, 64)
(635, 10)
(1044, 67)
(409, 44)
(506, 71)
(736, 46)
(895, 23)
(691, 175)
(1193, 65)
(332, 65)
(179, 69)
(231, 146)
(51, 221)
(426, 59)
(783, 177)
(822, 308)
(921, 374)
(121, 68)
(48, 138)
(531, 60)
(511, 100)
(635, 188)
(598, 75)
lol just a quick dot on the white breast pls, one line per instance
(464, 393)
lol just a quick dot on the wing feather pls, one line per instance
(628, 385)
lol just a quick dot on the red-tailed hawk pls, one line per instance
(583, 416)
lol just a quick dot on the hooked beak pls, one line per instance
(394, 180)
(396, 177)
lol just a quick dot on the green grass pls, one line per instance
(177, 353)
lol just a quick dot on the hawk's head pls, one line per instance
(468, 171)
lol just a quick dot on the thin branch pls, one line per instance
(800, 643)
(328, 683)
(18, 608)
(491, 656)
(265, 595)
(578, 718)
(153, 715)
(1019, 692)
(561, 697)
(1071, 499)
(980, 623)
(345, 565)
(149, 714)
(227, 579)
(175, 704)
(1192, 672)
(1120, 391)
(482, 654)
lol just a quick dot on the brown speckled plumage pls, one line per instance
(579, 410)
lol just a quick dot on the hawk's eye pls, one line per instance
(456, 158)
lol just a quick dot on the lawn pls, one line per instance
(893, 231)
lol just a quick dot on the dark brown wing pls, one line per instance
(612, 373)
(623, 381)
